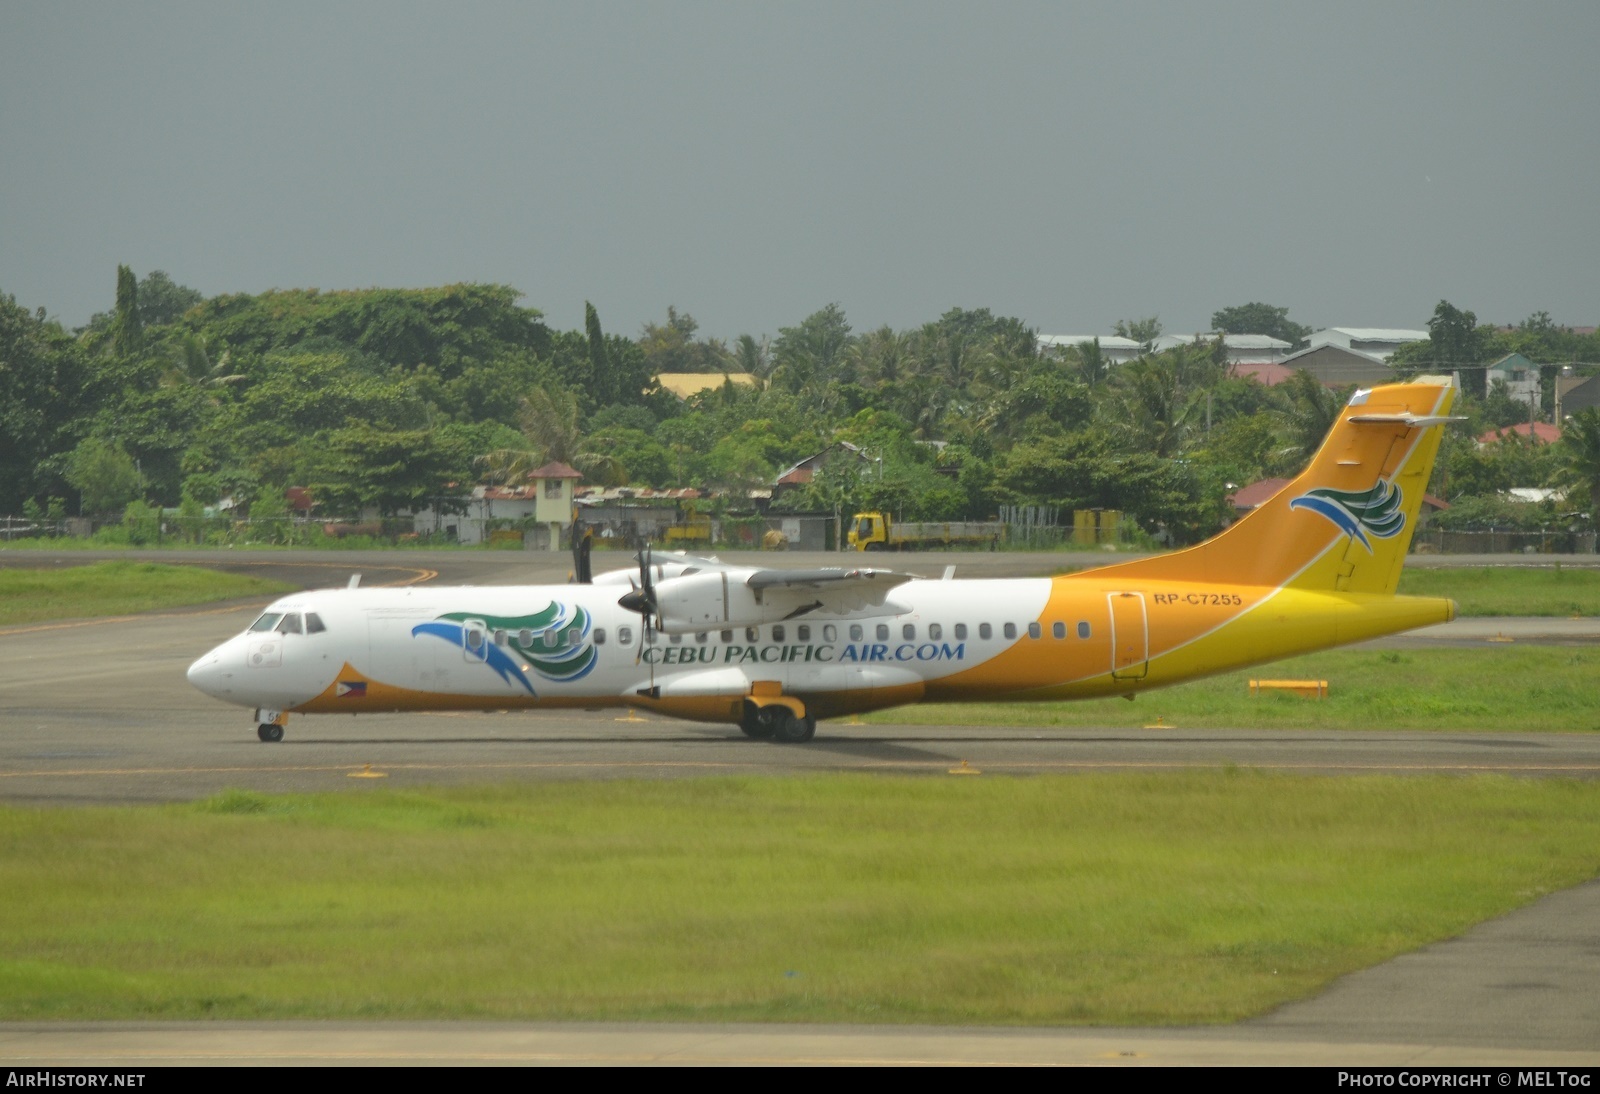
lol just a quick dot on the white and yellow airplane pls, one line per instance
(774, 650)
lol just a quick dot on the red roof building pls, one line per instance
(1255, 495)
(1540, 432)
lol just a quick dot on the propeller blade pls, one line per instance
(582, 548)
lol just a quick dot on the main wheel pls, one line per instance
(758, 723)
(795, 731)
(270, 732)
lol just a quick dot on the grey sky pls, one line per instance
(750, 162)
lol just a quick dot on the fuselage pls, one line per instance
(368, 650)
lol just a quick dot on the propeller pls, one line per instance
(643, 601)
(582, 547)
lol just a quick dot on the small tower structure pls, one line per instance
(553, 485)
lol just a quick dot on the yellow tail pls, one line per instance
(1345, 523)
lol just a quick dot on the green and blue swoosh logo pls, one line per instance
(1357, 513)
(557, 642)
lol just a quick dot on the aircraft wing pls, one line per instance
(830, 590)
(743, 596)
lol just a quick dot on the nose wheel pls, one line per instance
(270, 732)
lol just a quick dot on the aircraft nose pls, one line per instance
(207, 673)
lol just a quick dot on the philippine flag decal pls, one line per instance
(355, 689)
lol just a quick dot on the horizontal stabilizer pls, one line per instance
(1410, 421)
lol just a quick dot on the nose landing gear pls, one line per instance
(269, 725)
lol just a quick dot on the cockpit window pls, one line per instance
(267, 621)
(314, 623)
(290, 624)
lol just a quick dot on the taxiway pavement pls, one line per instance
(99, 712)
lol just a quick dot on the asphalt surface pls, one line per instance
(98, 711)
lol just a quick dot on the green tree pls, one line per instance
(1456, 342)
(751, 356)
(104, 475)
(1093, 367)
(549, 420)
(392, 471)
(44, 389)
(1143, 331)
(673, 347)
(1257, 318)
(1580, 456)
(812, 356)
(162, 300)
(1305, 417)
(128, 335)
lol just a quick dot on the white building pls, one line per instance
(1379, 342)
(1242, 349)
(543, 508)
(1521, 377)
(1114, 349)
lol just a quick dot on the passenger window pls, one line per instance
(1010, 630)
(474, 639)
(289, 624)
(985, 631)
(266, 622)
(909, 632)
(314, 623)
(883, 632)
(700, 637)
(675, 639)
(1034, 630)
(802, 633)
(499, 638)
(1058, 630)
(624, 636)
(830, 633)
(599, 636)
(574, 636)
(961, 632)
(1083, 630)
(777, 632)
(935, 632)
(752, 634)
(727, 636)
(856, 633)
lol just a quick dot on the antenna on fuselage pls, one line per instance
(355, 580)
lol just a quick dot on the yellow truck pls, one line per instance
(876, 531)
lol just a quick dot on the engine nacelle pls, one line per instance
(708, 601)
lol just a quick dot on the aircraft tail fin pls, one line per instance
(1345, 523)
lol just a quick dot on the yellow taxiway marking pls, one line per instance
(418, 576)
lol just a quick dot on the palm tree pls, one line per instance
(1580, 457)
(549, 421)
(1305, 418)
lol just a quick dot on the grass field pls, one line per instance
(1122, 899)
(1512, 688)
(117, 588)
(1509, 590)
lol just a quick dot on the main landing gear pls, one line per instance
(777, 723)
